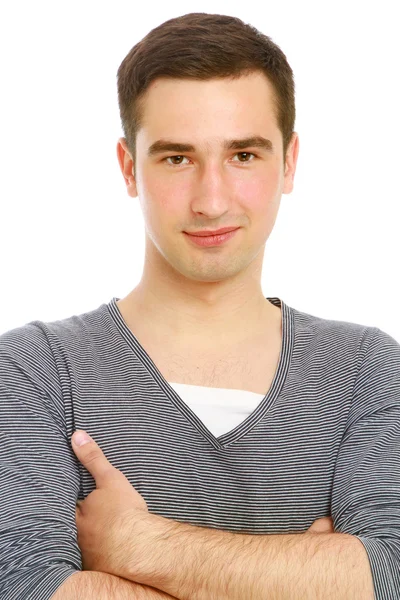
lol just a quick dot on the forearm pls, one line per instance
(93, 585)
(195, 563)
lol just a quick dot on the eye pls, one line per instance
(171, 157)
(247, 154)
(180, 156)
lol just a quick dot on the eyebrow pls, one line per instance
(256, 141)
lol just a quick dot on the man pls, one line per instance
(223, 424)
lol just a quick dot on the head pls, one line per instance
(200, 80)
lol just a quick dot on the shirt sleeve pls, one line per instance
(39, 475)
(366, 487)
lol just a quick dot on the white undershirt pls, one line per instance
(220, 409)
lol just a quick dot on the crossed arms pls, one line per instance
(117, 535)
(199, 563)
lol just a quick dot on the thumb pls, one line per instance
(323, 525)
(93, 458)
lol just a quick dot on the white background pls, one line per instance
(70, 236)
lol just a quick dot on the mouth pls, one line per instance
(207, 233)
(211, 240)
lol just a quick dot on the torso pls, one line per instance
(249, 366)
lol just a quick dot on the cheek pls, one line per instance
(258, 191)
(166, 198)
(162, 206)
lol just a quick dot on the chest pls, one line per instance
(249, 367)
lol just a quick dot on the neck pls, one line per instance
(193, 318)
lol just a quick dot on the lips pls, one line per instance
(210, 233)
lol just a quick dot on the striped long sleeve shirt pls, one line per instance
(324, 441)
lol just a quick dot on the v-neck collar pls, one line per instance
(261, 409)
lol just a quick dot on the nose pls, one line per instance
(211, 193)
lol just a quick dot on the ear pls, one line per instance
(127, 167)
(290, 164)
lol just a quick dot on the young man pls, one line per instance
(223, 423)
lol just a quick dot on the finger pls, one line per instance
(323, 525)
(94, 460)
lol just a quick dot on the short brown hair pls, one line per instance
(203, 46)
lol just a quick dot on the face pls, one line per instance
(210, 185)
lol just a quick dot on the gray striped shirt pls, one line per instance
(325, 440)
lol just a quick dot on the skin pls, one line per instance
(206, 294)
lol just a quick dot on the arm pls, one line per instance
(195, 563)
(88, 585)
(103, 586)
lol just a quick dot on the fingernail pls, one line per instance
(80, 438)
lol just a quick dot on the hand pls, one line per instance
(104, 519)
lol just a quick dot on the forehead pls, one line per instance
(211, 109)
(164, 91)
